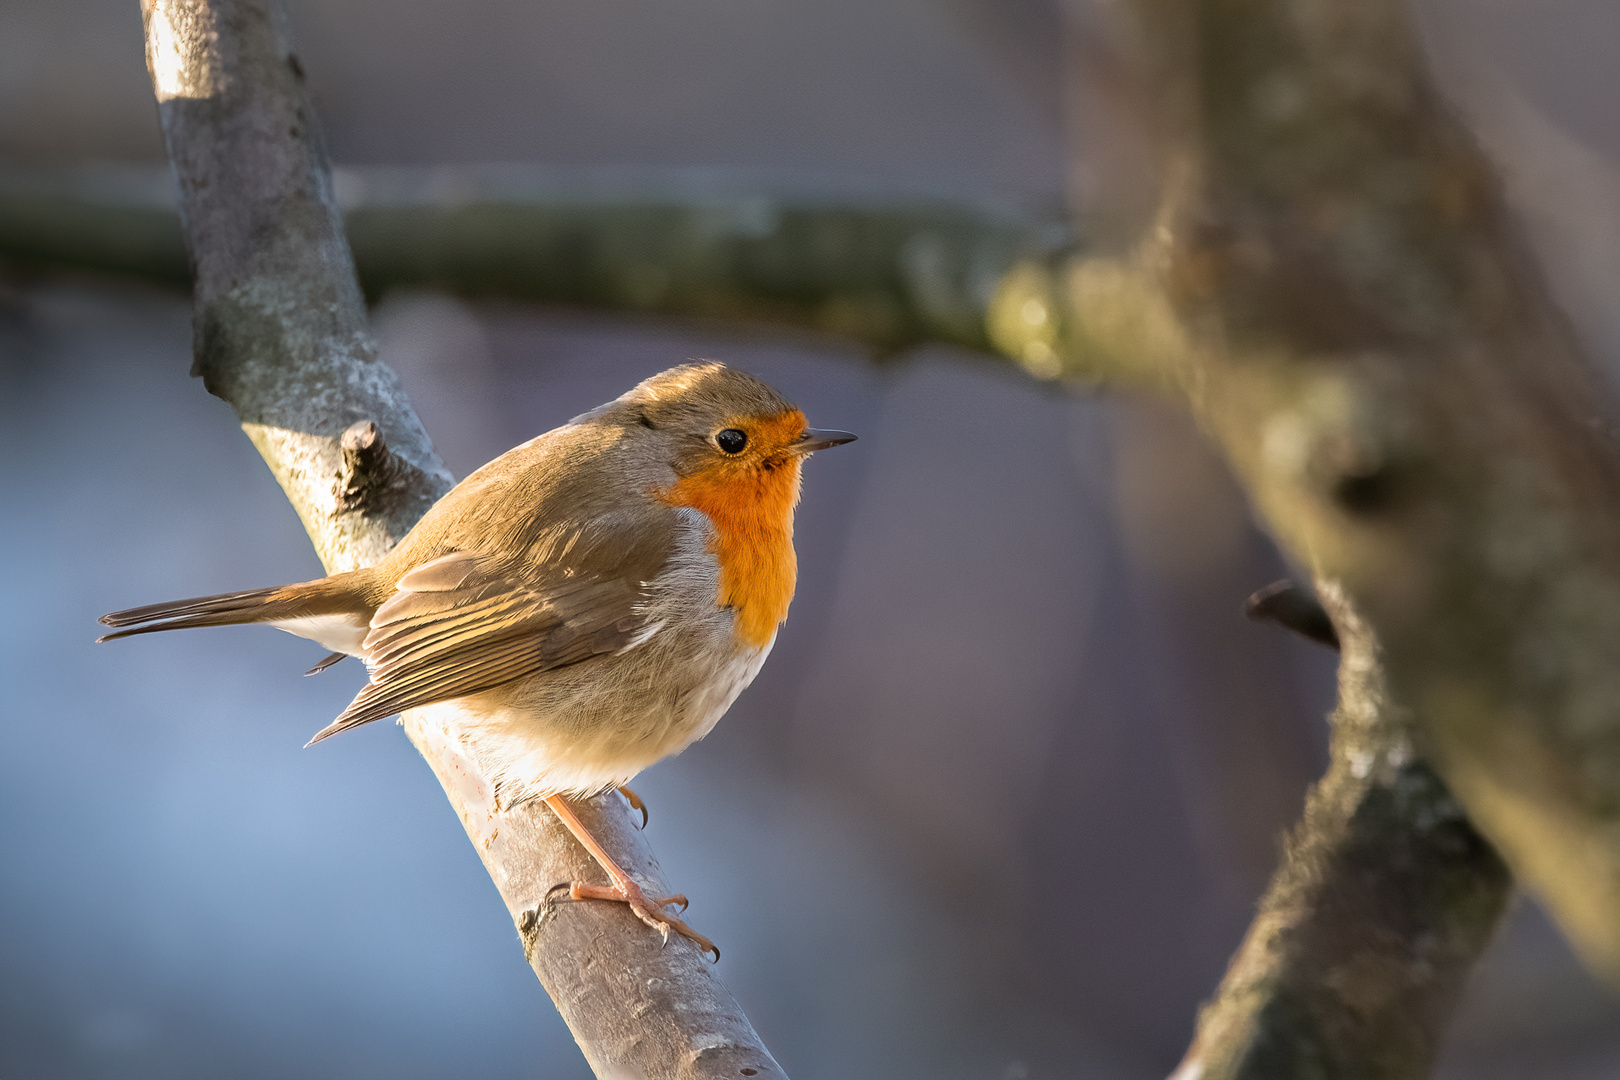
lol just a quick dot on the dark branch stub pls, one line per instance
(375, 479)
(1291, 607)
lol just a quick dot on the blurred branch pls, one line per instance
(1385, 898)
(281, 334)
(1335, 287)
(892, 271)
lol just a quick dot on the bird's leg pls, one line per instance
(649, 910)
(635, 803)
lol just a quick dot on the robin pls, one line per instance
(586, 604)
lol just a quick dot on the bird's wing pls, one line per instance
(457, 624)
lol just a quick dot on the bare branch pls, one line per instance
(281, 334)
(1385, 899)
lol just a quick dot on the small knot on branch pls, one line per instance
(531, 921)
(1289, 606)
(374, 478)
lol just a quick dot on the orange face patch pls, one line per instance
(750, 498)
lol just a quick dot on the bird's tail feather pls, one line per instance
(227, 609)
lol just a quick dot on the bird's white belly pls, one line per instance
(532, 753)
(716, 695)
(582, 729)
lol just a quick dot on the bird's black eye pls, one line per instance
(731, 440)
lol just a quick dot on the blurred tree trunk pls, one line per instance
(1331, 282)
(1334, 286)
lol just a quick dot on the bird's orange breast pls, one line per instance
(752, 512)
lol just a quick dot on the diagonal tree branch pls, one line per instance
(280, 331)
(1385, 898)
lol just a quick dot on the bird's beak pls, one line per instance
(813, 440)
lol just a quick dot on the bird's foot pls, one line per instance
(649, 910)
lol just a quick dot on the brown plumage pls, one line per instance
(585, 604)
(324, 597)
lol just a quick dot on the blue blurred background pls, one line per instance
(1002, 800)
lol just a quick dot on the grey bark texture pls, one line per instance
(281, 334)
(1385, 898)
(1334, 286)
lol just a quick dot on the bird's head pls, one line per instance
(724, 431)
(734, 446)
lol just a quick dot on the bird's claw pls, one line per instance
(635, 803)
(327, 662)
(650, 910)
